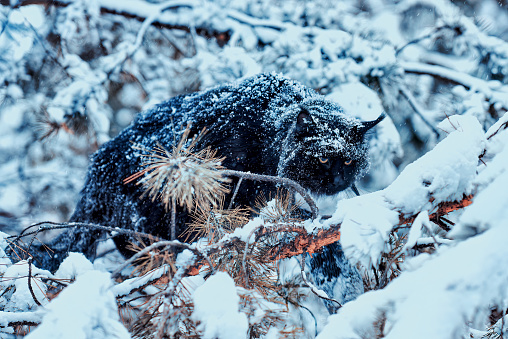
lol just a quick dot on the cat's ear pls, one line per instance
(304, 121)
(367, 125)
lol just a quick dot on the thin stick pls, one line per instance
(30, 282)
(291, 184)
(50, 225)
(416, 108)
(173, 219)
(235, 193)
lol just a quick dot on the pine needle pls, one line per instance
(191, 179)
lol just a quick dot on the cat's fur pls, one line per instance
(266, 124)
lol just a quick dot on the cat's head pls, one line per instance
(328, 150)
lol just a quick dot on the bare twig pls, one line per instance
(421, 38)
(173, 219)
(231, 202)
(288, 183)
(30, 282)
(50, 225)
(417, 109)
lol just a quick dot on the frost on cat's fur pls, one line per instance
(265, 124)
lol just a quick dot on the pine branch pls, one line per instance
(168, 244)
(443, 209)
(13, 319)
(304, 242)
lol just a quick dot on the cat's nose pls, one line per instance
(339, 183)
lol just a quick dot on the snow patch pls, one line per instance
(216, 305)
(447, 289)
(85, 309)
(73, 266)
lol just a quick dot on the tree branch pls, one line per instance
(50, 225)
(288, 183)
(172, 243)
(443, 209)
(488, 89)
(417, 109)
(304, 242)
(13, 319)
(30, 282)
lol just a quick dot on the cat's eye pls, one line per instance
(348, 162)
(323, 160)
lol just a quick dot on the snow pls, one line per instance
(94, 60)
(446, 173)
(415, 232)
(128, 285)
(493, 182)
(216, 305)
(364, 235)
(73, 266)
(16, 317)
(17, 276)
(93, 313)
(445, 290)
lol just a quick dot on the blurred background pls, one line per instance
(75, 73)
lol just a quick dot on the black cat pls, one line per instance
(266, 124)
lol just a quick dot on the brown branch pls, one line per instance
(222, 37)
(304, 242)
(443, 209)
(30, 282)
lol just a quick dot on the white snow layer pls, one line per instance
(434, 300)
(492, 184)
(86, 309)
(445, 173)
(74, 265)
(17, 276)
(216, 306)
